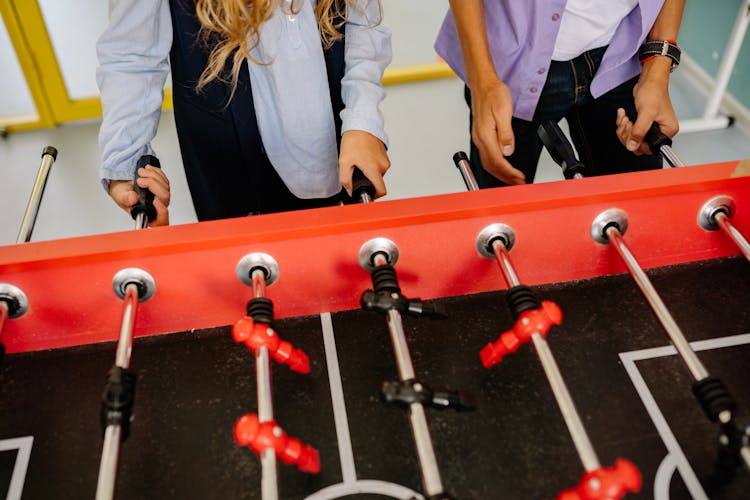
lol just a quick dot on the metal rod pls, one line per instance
(430, 472)
(562, 395)
(125, 343)
(3, 314)
(465, 168)
(671, 157)
(689, 357)
(503, 260)
(105, 486)
(364, 198)
(725, 224)
(400, 347)
(32, 208)
(259, 283)
(572, 419)
(141, 221)
(269, 482)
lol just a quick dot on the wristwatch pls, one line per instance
(666, 48)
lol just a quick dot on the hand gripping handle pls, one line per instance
(145, 204)
(362, 189)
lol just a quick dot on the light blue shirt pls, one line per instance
(292, 101)
(522, 34)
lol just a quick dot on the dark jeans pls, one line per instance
(566, 94)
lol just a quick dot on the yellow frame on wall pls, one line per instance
(28, 34)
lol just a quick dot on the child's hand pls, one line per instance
(366, 152)
(154, 180)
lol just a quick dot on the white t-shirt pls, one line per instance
(588, 24)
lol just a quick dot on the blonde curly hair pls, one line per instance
(233, 28)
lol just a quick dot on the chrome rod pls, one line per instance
(269, 484)
(141, 221)
(725, 224)
(125, 343)
(35, 199)
(671, 157)
(568, 409)
(468, 176)
(503, 260)
(269, 481)
(259, 283)
(105, 486)
(689, 357)
(400, 347)
(427, 460)
(430, 472)
(3, 314)
(559, 389)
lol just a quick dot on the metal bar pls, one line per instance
(468, 175)
(259, 283)
(572, 419)
(503, 260)
(365, 198)
(726, 225)
(269, 481)
(400, 347)
(562, 395)
(269, 484)
(32, 207)
(141, 221)
(3, 314)
(105, 486)
(668, 153)
(125, 343)
(689, 357)
(430, 472)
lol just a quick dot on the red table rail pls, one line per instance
(71, 302)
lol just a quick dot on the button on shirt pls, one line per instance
(293, 105)
(522, 34)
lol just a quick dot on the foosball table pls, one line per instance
(288, 356)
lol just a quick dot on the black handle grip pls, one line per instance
(460, 156)
(655, 139)
(50, 150)
(560, 149)
(361, 185)
(145, 204)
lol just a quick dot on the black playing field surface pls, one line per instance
(192, 387)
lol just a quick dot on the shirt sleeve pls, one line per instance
(367, 52)
(133, 66)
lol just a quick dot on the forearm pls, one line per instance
(667, 24)
(367, 52)
(132, 69)
(472, 32)
(666, 27)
